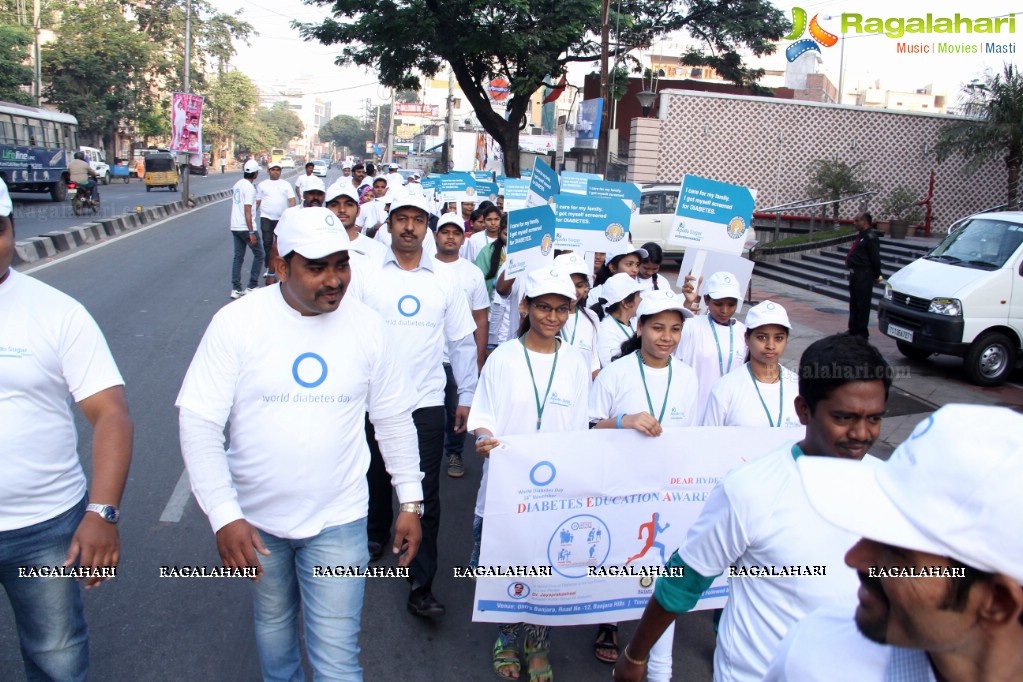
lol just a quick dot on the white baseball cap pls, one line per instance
(274, 164)
(314, 232)
(951, 489)
(407, 200)
(767, 312)
(314, 185)
(451, 219)
(617, 288)
(573, 264)
(626, 249)
(341, 189)
(251, 166)
(659, 300)
(346, 165)
(722, 285)
(549, 280)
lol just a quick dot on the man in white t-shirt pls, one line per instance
(939, 561)
(54, 353)
(373, 215)
(759, 516)
(449, 239)
(243, 230)
(343, 200)
(287, 499)
(302, 181)
(395, 182)
(273, 197)
(424, 307)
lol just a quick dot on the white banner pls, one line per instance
(565, 511)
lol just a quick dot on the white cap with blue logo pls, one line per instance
(312, 232)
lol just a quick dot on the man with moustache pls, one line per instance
(940, 561)
(289, 493)
(759, 516)
(425, 311)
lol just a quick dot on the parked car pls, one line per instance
(287, 162)
(655, 218)
(320, 168)
(964, 298)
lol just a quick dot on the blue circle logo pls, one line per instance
(323, 370)
(544, 468)
(576, 544)
(404, 306)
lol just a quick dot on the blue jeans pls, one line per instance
(48, 611)
(241, 241)
(331, 607)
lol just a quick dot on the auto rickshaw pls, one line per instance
(161, 171)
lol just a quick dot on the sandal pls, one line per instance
(605, 648)
(533, 653)
(506, 657)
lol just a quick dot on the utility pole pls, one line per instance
(390, 131)
(37, 86)
(602, 137)
(448, 157)
(188, 90)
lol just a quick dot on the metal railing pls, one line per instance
(812, 204)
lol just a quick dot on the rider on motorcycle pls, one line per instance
(83, 175)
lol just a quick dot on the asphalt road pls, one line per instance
(37, 213)
(153, 292)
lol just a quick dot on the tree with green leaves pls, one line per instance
(281, 125)
(229, 112)
(532, 42)
(94, 68)
(993, 129)
(346, 131)
(15, 73)
(832, 179)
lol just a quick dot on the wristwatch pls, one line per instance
(107, 512)
(414, 507)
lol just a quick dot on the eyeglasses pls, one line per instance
(545, 309)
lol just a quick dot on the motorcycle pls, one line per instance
(84, 198)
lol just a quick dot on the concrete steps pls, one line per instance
(825, 272)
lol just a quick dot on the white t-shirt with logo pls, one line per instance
(425, 311)
(505, 402)
(369, 247)
(699, 346)
(273, 197)
(611, 334)
(736, 401)
(371, 213)
(471, 280)
(302, 182)
(51, 352)
(580, 330)
(296, 400)
(760, 516)
(648, 283)
(243, 194)
(619, 389)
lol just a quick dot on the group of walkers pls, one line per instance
(390, 328)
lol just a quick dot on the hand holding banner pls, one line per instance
(530, 239)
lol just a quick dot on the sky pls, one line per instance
(278, 52)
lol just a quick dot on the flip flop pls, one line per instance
(506, 657)
(605, 648)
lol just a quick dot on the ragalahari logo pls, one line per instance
(802, 45)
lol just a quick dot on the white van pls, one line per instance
(964, 298)
(97, 158)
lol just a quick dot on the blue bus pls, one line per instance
(35, 148)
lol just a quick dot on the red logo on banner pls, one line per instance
(499, 89)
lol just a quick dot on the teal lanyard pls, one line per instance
(646, 389)
(574, 329)
(731, 344)
(628, 334)
(536, 393)
(781, 394)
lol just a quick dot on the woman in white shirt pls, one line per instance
(616, 307)
(619, 263)
(647, 389)
(512, 398)
(760, 392)
(715, 343)
(650, 267)
(581, 328)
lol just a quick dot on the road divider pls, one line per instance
(57, 242)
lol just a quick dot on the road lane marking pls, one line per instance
(175, 508)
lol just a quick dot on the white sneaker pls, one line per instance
(249, 290)
(236, 294)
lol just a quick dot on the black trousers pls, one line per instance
(429, 423)
(266, 226)
(861, 286)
